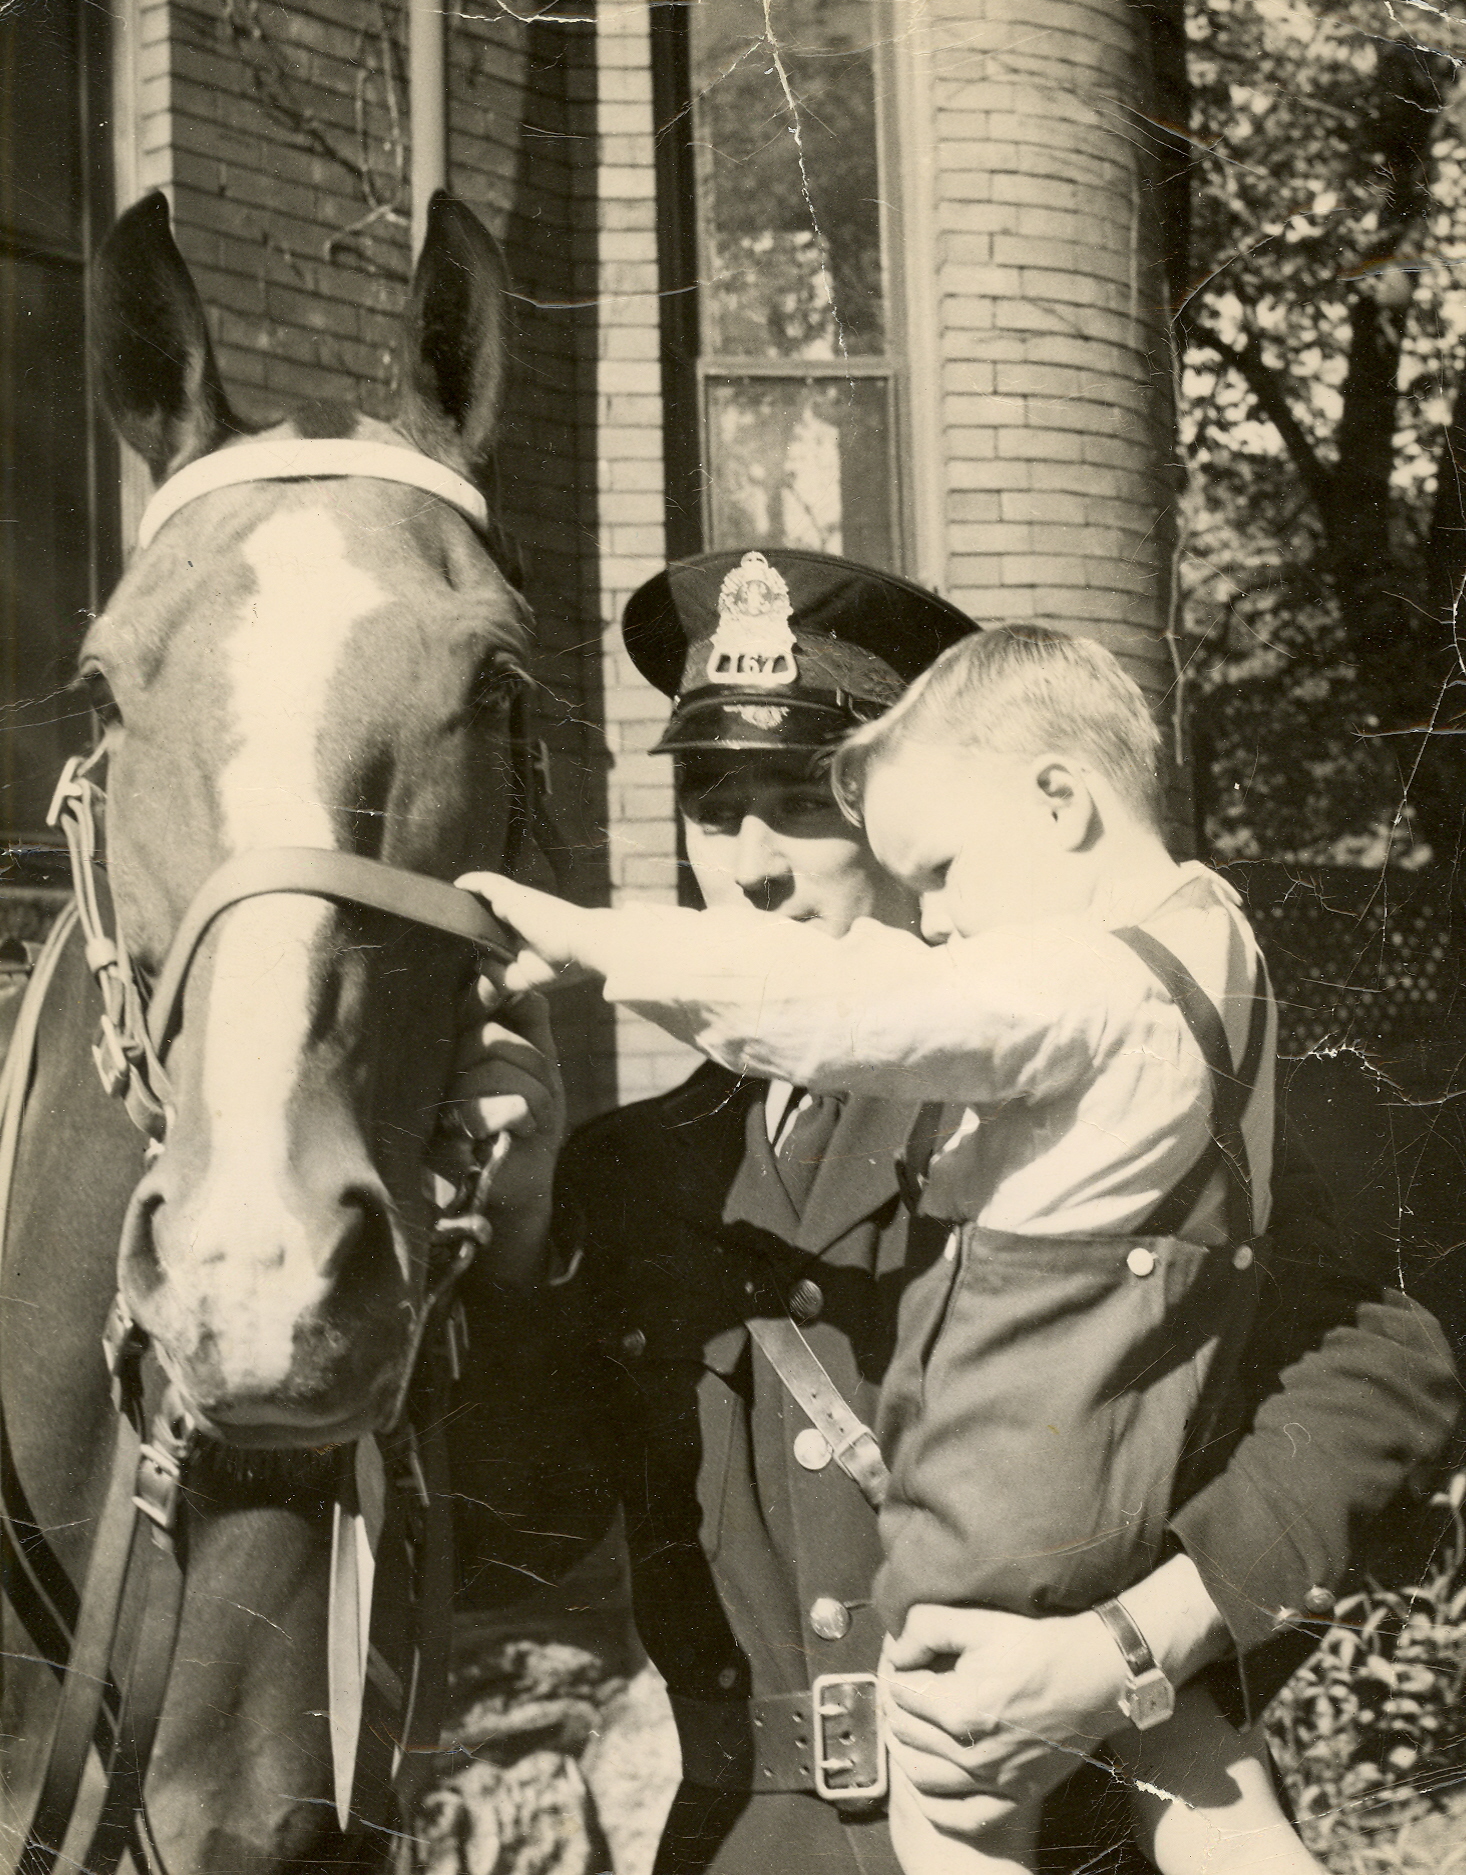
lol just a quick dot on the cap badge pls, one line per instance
(753, 644)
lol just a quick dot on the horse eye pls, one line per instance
(496, 680)
(99, 695)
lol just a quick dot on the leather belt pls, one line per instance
(828, 1742)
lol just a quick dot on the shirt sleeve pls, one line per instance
(1017, 1013)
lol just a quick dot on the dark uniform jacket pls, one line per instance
(751, 1574)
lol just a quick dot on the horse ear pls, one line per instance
(452, 356)
(159, 381)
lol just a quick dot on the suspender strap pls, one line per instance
(1231, 1090)
(851, 1441)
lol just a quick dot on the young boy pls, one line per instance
(1101, 1017)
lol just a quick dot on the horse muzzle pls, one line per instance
(284, 1314)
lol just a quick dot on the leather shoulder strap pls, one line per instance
(851, 1441)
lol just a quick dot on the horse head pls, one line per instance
(321, 662)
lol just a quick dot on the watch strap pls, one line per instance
(1133, 1646)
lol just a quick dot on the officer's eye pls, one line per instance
(808, 810)
(714, 816)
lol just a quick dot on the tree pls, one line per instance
(1325, 424)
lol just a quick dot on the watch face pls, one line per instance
(1150, 1700)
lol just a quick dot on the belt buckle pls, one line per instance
(848, 1738)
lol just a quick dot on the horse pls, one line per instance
(307, 683)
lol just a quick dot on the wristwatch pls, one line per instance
(1149, 1697)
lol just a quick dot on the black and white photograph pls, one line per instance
(732, 954)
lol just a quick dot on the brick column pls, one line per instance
(641, 818)
(1056, 431)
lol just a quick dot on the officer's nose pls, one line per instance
(760, 868)
(936, 923)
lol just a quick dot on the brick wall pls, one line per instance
(1055, 357)
(641, 820)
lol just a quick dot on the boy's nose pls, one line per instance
(936, 925)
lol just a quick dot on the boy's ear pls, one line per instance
(1068, 800)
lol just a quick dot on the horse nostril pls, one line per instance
(362, 1272)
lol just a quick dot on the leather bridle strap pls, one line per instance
(317, 872)
(311, 459)
(89, 1663)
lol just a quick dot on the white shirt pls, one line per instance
(1089, 1096)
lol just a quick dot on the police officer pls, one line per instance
(642, 1373)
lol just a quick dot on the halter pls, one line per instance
(134, 1543)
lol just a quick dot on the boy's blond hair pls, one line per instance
(1020, 690)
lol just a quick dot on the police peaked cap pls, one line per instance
(781, 647)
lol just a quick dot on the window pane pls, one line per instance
(40, 158)
(790, 259)
(801, 463)
(45, 544)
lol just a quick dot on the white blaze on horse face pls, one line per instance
(259, 1001)
(282, 660)
(283, 657)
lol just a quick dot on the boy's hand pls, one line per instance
(984, 1705)
(550, 927)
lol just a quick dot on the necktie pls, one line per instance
(802, 1149)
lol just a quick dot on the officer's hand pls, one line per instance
(985, 1705)
(507, 1079)
(550, 928)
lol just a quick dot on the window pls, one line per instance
(779, 384)
(57, 469)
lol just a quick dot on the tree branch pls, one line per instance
(1266, 386)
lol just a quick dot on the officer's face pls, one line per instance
(763, 829)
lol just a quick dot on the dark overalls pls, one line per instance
(1045, 1391)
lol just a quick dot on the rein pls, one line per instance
(134, 1584)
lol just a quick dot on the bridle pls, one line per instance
(134, 1576)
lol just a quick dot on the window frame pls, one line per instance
(687, 368)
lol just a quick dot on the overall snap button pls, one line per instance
(811, 1449)
(634, 1343)
(829, 1619)
(1242, 1257)
(1140, 1261)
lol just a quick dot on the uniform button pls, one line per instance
(633, 1344)
(728, 1678)
(829, 1619)
(1318, 1601)
(812, 1449)
(1242, 1257)
(1140, 1261)
(806, 1299)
